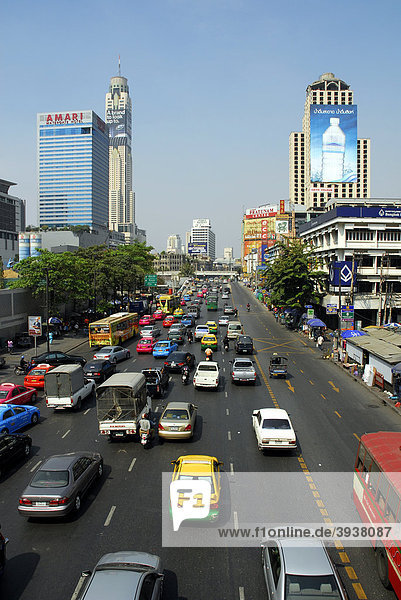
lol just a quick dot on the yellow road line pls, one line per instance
(324, 397)
(344, 557)
(338, 414)
(336, 389)
(357, 437)
(301, 370)
(351, 573)
(359, 591)
(311, 382)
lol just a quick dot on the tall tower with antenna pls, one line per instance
(119, 119)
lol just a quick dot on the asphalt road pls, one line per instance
(329, 411)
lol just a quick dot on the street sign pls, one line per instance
(151, 280)
(331, 309)
(347, 313)
(35, 326)
(310, 313)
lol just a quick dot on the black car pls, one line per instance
(57, 358)
(3, 543)
(178, 359)
(13, 447)
(156, 381)
(99, 370)
(244, 344)
(177, 333)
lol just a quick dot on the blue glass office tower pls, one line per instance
(73, 169)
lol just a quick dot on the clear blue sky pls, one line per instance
(217, 86)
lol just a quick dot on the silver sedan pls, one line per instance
(178, 421)
(112, 353)
(59, 484)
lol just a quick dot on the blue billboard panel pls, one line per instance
(263, 252)
(333, 143)
(197, 248)
(342, 268)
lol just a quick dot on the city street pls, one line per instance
(329, 412)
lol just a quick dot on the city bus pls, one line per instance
(113, 330)
(169, 302)
(377, 497)
(211, 302)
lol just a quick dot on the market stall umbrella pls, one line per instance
(316, 323)
(350, 333)
(54, 321)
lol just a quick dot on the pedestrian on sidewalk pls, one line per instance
(76, 328)
(50, 337)
(10, 346)
(319, 342)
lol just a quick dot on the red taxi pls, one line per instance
(147, 320)
(169, 320)
(10, 393)
(183, 303)
(145, 345)
(199, 294)
(158, 314)
(36, 377)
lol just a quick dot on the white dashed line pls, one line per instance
(235, 515)
(110, 516)
(86, 411)
(229, 435)
(66, 433)
(131, 465)
(34, 467)
(241, 593)
(223, 360)
(227, 410)
(226, 394)
(231, 468)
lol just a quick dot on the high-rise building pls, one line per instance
(121, 195)
(327, 160)
(12, 220)
(228, 253)
(203, 240)
(72, 169)
(174, 244)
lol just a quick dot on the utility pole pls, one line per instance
(339, 301)
(352, 280)
(379, 312)
(47, 309)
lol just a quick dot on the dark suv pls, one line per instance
(244, 344)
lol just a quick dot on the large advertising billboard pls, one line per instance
(333, 143)
(197, 248)
(119, 122)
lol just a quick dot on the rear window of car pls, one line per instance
(200, 478)
(175, 414)
(162, 345)
(105, 349)
(207, 368)
(234, 327)
(3, 394)
(318, 586)
(275, 424)
(243, 364)
(50, 479)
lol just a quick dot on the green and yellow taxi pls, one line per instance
(212, 326)
(204, 468)
(209, 340)
(178, 313)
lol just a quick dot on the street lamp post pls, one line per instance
(47, 309)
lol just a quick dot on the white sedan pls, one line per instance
(224, 320)
(273, 429)
(207, 375)
(112, 353)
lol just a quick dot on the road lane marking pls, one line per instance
(344, 557)
(301, 370)
(109, 516)
(66, 433)
(351, 573)
(290, 386)
(78, 587)
(357, 437)
(131, 465)
(311, 382)
(324, 397)
(336, 389)
(241, 593)
(338, 414)
(86, 411)
(229, 435)
(235, 515)
(227, 411)
(359, 591)
(231, 468)
(34, 467)
(226, 394)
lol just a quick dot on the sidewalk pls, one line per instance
(312, 344)
(67, 343)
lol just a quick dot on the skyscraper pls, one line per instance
(326, 158)
(72, 169)
(203, 241)
(174, 244)
(119, 120)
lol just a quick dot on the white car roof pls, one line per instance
(272, 413)
(208, 362)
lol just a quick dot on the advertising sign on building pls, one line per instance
(35, 326)
(263, 254)
(261, 213)
(342, 268)
(333, 143)
(281, 226)
(197, 248)
(119, 123)
(282, 206)
(331, 309)
(252, 229)
(201, 223)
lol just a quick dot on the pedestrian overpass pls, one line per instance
(199, 274)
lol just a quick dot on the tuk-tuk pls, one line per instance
(278, 366)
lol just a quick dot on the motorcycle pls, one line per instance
(248, 308)
(185, 375)
(145, 436)
(226, 346)
(2, 362)
(18, 370)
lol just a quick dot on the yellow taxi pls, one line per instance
(178, 313)
(204, 468)
(212, 326)
(209, 340)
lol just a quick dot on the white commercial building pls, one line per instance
(174, 244)
(203, 241)
(328, 105)
(367, 234)
(228, 253)
(12, 220)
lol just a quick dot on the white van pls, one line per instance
(234, 329)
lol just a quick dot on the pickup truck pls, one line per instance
(66, 387)
(156, 381)
(243, 371)
(207, 375)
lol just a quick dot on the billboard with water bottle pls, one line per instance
(333, 143)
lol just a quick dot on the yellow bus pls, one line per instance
(113, 330)
(169, 302)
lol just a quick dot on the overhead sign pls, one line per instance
(35, 326)
(197, 248)
(150, 280)
(333, 143)
(343, 269)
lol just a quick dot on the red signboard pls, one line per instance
(282, 206)
(261, 213)
(64, 118)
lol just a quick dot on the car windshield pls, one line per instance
(207, 368)
(175, 414)
(37, 372)
(311, 587)
(276, 424)
(198, 478)
(3, 394)
(50, 479)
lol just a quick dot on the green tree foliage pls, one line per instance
(294, 278)
(187, 268)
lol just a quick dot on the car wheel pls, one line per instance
(128, 355)
(35, 419)
(100, 470)
(78, 405)
(5, 430)
(34, 398)
(27, 449)
(77, 503)
(382, 567)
